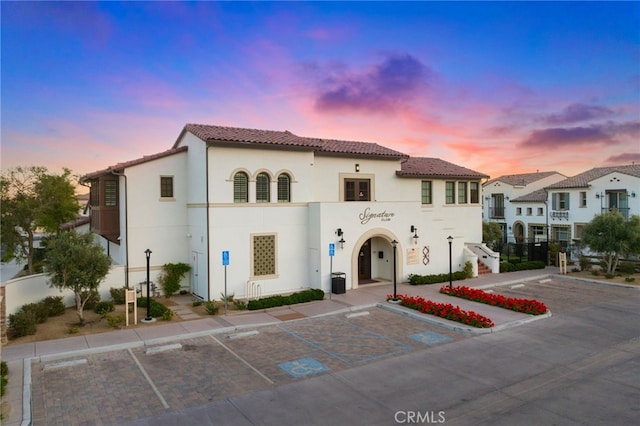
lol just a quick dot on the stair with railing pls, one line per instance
(483, 269)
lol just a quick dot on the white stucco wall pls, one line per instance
(34, 288)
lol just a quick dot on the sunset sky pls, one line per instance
(498, 87)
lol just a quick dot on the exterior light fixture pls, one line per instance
(450, 239)
(415, 234)
(394, 243)
(148, 318)
(357, 167)
(340, 234)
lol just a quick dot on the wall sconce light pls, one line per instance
(339, 233)
(357, 167)
(633, 194)
(487, 198)
(506, 198)
(415, 234)
(598, 195)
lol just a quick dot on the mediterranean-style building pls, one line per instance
(518, 203)
(548, 206)
(573, 202)
(258, 212)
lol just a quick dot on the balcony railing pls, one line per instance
(624, 211)
(562, 214)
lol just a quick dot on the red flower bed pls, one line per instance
(444, 310)
(527, 306)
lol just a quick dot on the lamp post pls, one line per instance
(450, 239)
(394, 243)
(148, 318)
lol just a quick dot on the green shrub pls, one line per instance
(585, 263)
(170, 277)
(298, 297)
(609, 275)
(240, 305)
(167, 315)
(73, 329)
(626, 268)
(55, 306)
(22, 323)
(115, 320)
(436, 278)
(196, 303)
(229, 297)
(4, 379)
(630, 279)
(39, 310)
(103, 308)
(210, 307)
(156, 309)
(118, 295)
(521, 266)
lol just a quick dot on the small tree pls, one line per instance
(612, 236)
(492, 234)
(76, 263)
(33, 200)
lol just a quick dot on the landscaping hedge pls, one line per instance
(522, 266)
(436, 278)
(298, 297)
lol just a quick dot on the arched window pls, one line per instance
(262, 188)
(240, 188)
(284, 188)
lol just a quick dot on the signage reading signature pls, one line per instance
(367, 215)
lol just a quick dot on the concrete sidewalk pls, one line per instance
(365, 296)
(19, 357)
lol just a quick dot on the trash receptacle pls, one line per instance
(338, 282)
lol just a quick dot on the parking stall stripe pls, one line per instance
(153, 386)
(243, 360)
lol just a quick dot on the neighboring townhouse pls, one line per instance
(260, 212)
(573, 202)
(518, 203)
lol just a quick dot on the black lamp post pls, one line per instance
(148, 318)
(394, 243)
(450, 239)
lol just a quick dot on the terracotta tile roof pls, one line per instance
(435, 167)
(332, 146)
(210, 133)
(235, 135)
(536, 196)
(522, 179)
(583, 179)
(121, 166)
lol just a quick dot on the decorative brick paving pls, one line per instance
(120, 386)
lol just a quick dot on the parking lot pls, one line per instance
(367, 366)
(123, 385)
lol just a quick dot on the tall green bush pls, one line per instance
(170, 277)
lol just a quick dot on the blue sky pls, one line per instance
(499, 87)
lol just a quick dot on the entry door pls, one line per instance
(364, 261)
(198, 276)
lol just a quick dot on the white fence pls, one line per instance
(34, 288)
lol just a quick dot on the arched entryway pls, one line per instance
(372, 258)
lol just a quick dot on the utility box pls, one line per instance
(338, 282)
